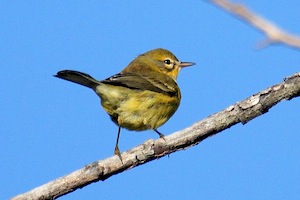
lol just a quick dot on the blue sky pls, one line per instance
(51, 127)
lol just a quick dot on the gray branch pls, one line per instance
(274, 33)
(241, 112)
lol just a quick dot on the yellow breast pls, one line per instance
(136, 109)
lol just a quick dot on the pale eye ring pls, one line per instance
(167, 61)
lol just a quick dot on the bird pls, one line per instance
(143, 96)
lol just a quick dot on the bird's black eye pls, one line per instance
(167, 61)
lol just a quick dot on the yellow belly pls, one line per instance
(135, 109)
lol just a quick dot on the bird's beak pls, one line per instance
(186, 64)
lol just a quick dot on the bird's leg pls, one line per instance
(160, 134)
(117, 150)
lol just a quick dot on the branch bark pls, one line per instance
(243, 112)
(274, 33)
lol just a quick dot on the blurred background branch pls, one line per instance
(275, 35)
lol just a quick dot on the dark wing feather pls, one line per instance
(143, 82)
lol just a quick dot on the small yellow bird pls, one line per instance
(143, 96)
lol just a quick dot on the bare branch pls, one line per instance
(273, 32)
(243, 112)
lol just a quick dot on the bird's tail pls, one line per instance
(78, 77)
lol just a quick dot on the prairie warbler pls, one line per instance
(143, 96)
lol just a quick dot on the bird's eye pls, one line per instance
(167, 61)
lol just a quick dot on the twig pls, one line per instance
(273, 32)
(243, 112)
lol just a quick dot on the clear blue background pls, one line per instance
(50, 127)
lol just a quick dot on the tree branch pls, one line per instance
(243, 112)
(273, 33)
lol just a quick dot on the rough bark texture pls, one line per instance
(243, 112)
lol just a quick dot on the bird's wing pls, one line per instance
(143, 82)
